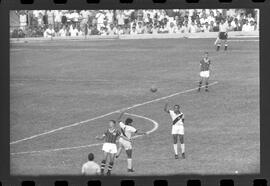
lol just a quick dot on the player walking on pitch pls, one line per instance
(125, 140)
(109, 147)
(205, 71)
(177, 128)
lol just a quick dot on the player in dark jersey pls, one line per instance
(109, 147)
(204, 71)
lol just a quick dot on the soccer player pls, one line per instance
(222, 35)
(205, 71)
(177, 128)
(109, 147)
(125, 140)
(90, 167)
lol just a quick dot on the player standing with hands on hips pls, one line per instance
(177, 128)
(205, 71)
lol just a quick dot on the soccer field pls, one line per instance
(62, 94)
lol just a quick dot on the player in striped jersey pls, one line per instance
(177, 128)
(109, 147)
(125, 140)
(205, 71)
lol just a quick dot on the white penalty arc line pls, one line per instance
(156, 125)
(110, 113)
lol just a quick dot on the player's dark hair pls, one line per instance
(91, 156)
(128, 121)
(206, 52)
(177, 106)
(114, 122)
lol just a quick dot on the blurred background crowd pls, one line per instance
(62, 23)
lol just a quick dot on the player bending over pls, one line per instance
(125, 140)
(109, 147)
(177, 128)
(205, 71)
(222, 35)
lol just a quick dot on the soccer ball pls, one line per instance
(153, 89)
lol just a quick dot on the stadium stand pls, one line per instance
(74, 23)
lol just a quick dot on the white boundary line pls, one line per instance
(230, 40)
(110, 113)
(91, 145)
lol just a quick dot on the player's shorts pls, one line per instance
(110, 148)
(205, 74)
(178, 129)
(125, 143)
(223, 35)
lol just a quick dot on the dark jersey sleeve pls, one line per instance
(201, 65)
(105, 133)
(118, 133)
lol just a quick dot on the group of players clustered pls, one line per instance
(126, 131)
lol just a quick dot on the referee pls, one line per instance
(90, 167)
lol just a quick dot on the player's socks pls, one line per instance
(129, 162)
(218, 47)
(131, 170)
(110, 168)
(206, 86)
(183, 150)
(175, 149)
(102, 166)
(225, 47)
(200, 84)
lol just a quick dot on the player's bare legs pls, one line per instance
(218, 44)
(103, 162)
(175, 137)
(129, 160)
(111, 164)
(119, 151)
(216, 41)
(181, 137)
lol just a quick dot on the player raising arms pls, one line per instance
(205, 71)
(125, 140)
(109, 147)
(222, 35)
(177, 128)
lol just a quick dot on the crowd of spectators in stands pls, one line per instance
(49, 23)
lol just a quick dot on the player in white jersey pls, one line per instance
(125, 140)
(222, 35)
(177, 128)
(90, 167)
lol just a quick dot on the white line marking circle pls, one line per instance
(91, 145)
(113, 112)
